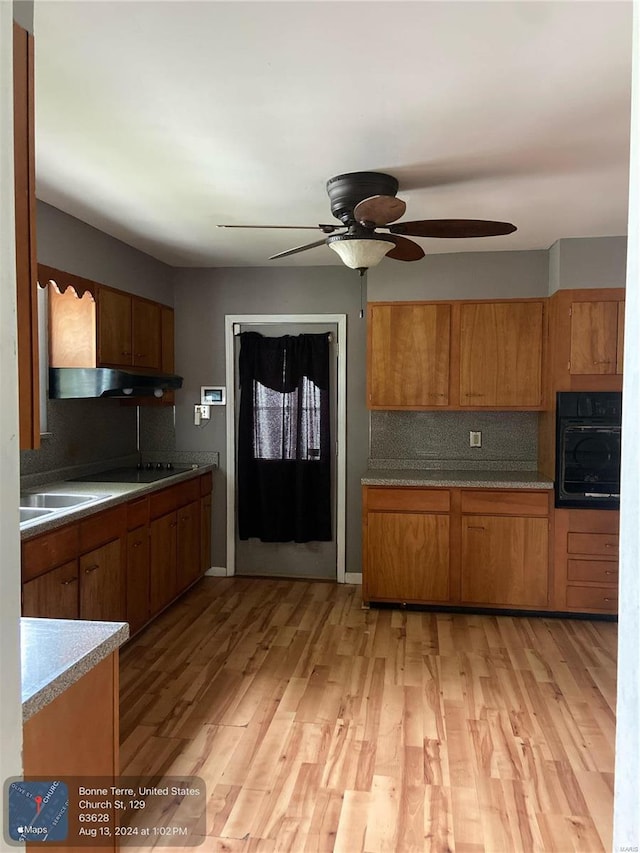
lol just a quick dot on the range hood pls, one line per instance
(67, 383)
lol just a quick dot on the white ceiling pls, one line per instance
(155, 121)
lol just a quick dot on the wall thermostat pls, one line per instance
(213, 395)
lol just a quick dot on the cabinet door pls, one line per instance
(620, 339)
(205, 533)
(146, 334)
(138, 591)
(594, 337)
(163, 581)
(102, 590)
(408, 556)
(53, 595)
(501, 354)
(25, 231)
(505, 560)
(188, 544)
(114, 327)
(409, 355)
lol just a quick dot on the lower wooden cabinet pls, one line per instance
(164, 540)
(458, 547)
(505, 561)
(188, 545)
(586, 560)
(122, 564)
(138, 578)
(408, 556)
(53, 595)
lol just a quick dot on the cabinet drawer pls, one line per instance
(187, 492)
(48, 551)
(592, 571)
(604, 544)
(102, 527)
(516, 502)
(206, 483)
(137, 512)
(161, 503)
(411, 500)
(592, 598)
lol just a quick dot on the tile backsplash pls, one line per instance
(85, 436)
(81, 432)
(441, 440)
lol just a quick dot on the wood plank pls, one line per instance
(413, 500)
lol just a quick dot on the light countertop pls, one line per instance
(494, 479)
(107, 495)
(58, 652)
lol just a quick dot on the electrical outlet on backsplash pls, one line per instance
(441, 439)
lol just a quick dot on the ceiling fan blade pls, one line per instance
(379, 209)
(452, 228)
(326, 229)
(405, 250)
(297, 249)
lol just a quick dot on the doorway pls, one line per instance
(324, 560)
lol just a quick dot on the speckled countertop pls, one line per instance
(58, 652)
(107, 495)
(495, 479)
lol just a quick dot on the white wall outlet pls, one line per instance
(475, 438)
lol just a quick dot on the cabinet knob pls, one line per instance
(173, 524)
(90, 569)
(125, 352)
(610, 544)
(67, 582)
(137, 544)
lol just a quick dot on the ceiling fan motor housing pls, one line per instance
(346, 191)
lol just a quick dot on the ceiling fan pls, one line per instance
(366, 201)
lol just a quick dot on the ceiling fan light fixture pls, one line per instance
(360, 252)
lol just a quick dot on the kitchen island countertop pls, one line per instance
(487, 479)
(58, 652)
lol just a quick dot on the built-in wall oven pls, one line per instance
(588, 449)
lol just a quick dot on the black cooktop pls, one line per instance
(129, 475)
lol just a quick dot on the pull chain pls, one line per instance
(363, 289)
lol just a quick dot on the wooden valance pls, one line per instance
(63, 280)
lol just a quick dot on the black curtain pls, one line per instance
(284, 462)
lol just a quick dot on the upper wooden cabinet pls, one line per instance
(457, 355)
(92, 325)
(25, 228)
(594, 338)
(129, 330)
(586, 336)
(409, 355)
(501, 347)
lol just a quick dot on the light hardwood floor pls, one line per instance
(320, 726)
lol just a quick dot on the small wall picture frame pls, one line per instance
(213, 395)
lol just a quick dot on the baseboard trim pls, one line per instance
(353, 577)
(216, 572)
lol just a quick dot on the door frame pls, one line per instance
(340, 320)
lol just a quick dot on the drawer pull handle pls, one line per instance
(173, 524)
(474, 527)
(607, 361)
(71, 580)
(90, 569)
(610, 545)
(608, 599)
(610, 573)
(137, 544)
(470, 394)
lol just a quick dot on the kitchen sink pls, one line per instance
(53, 501)
(28, 514)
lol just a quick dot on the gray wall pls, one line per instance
(73, 246)
(474, 275)
(588, 262)
(202, 298)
